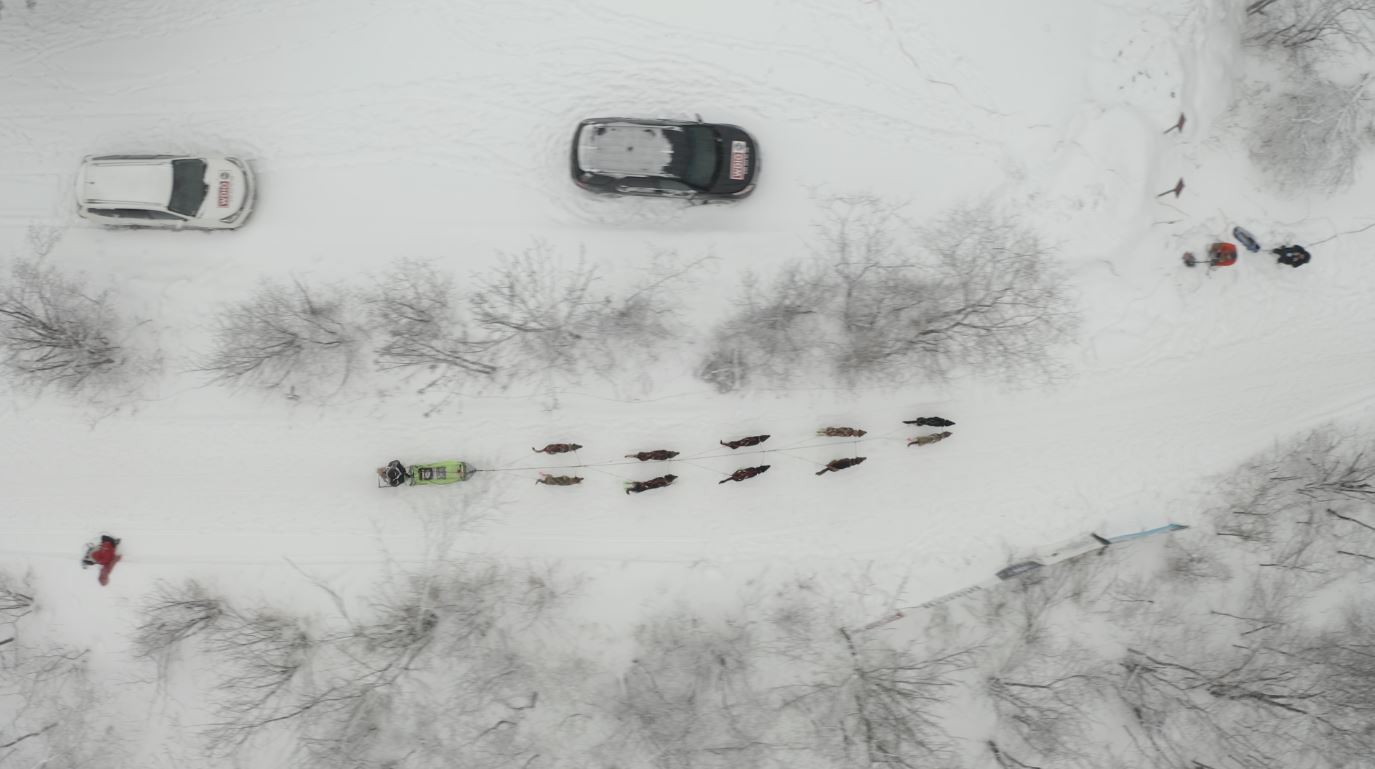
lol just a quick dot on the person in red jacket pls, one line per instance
(104, 554)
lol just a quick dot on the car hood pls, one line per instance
(140, 183)
(229, 188)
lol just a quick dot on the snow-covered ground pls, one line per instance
(437, 129)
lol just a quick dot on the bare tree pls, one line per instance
(285, 337)
(1253, 678)
(1297, 507)
(1312, 135)
(1306, 24)
(16, 602)
(885, 702)
(1249, 706)
(1044, 698)
(443, 671)
(50, 703)
(45, 690)
(862, 697)
(53, 333)
(1192, 561)
(986, 296)
(1344, 656)
(692, 697)
(443, 643)
(258, 657)
(1044, 685)
(174, 613)
(778, 330)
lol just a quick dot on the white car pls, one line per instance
(208, 193)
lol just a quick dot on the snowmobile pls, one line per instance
(429, 474)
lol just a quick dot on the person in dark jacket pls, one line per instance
(753, 440)
(836, 465)
(746, 473)
(655, 455)
(394, 473)
(637, 487)
(558, 448)
(841, 432)
(1293, 256)
(929, 422)
(106, 554)
(926, 440)
(559, 480)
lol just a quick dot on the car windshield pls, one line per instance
(699, 170)
(188, 186)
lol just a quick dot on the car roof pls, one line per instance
(626, 149)
(143, 184)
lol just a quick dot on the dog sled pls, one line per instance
(440, 473)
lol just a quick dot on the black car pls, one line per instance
(668, 158)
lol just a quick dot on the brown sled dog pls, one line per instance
(929, 422)
(841, 432)
(636, 487)
(746, 473)
(557, 448)
(753, 440)
(657, 454)
(926, 440)
(559, 480)
(836, 465)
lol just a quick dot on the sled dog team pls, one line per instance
(106, 553)
(395, 473)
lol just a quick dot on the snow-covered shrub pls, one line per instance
(777, 330)
(1301, 506)
(691, 697)
(1311, 136)
(173, 613)
(449, 668)
(531, 320)
(258, 656)
(16, 600)
(49, 702)
(423, 323)
(987, 296)
(1190, 561)
(286, 337)
(551, 319)
(53, 333)
(884, 300)
(50, 707)
(1045, 699)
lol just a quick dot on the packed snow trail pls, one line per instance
(457, 150)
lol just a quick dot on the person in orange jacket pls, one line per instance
(105, 554)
